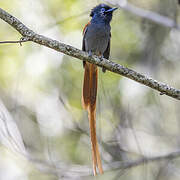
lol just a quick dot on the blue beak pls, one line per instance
(111, 10)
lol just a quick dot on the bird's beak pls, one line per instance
(111, 10)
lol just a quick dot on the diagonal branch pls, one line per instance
(84, 171)
(146, 14)
(130, 164)
(30, 35)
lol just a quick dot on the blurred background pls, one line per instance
(44, 132)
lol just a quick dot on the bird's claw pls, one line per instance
(101, 58)
(90, 53)
(103, 69)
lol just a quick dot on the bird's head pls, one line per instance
(102, 12)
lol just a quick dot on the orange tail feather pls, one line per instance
(89, 103)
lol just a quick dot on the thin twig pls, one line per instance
(74, 52)
(10, 42)
(66, 19)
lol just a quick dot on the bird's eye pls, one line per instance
(103, 10)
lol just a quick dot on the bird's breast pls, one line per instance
(97, 38)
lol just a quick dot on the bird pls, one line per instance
(96, 41)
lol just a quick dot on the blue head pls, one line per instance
(102, 13)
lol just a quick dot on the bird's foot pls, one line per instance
(101, 58)
(90, 53)
(103, 68)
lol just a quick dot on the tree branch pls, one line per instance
(30, 35)
(150, 15)
(84, 171)
(130, 164)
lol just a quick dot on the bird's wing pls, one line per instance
(83, 44)
(107, 52)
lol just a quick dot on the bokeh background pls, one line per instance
(44, 131)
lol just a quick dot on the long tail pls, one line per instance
(89, 103)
